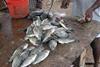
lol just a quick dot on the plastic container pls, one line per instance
(18, 8)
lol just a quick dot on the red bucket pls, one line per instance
(18, 8)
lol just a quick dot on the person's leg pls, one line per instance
(39, 4)
(96, 51)
(35, 4)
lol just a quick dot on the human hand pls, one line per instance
(88, 14)
(87, 17)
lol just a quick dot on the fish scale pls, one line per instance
(41, 56)
(29, 60)
(18, 51)
(17, 61)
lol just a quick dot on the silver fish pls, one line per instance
(52, 44)
(41, 56)
(65, 41)
(29, 60)
(45, 16)
(33, 14)
(45, 22)
(29, 36)
(18, 51)
(54, 22)
(34, 41)
(49, 26)
(24, 46)
(20, 58)
(37, 22)
(48, 34)
(60, 32)
(17, 61)
(37, 50)
(26, 53)
(29, 30)
(61, 23)
(31, 48)
(37, 32)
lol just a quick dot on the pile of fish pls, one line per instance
(41, 33)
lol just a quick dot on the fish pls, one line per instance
(47, 27)
(37, 22)
(34, 41)
(48, 34)
(18, 51)
(24, 55)
(24, 46)
(45, 22)
(29, 60)
(20, 58)
(61, 33)
(31, 48)
(37, 50)
(29, 30)
(41, 56)
(28, 36)
(44, 16)
(36, 13)
(54, 22)
(37, 32)
(33, 14)
(17, 61)
(65, 41)
(31, 35)
(26, 52)
(52, 44)
(61, 23)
